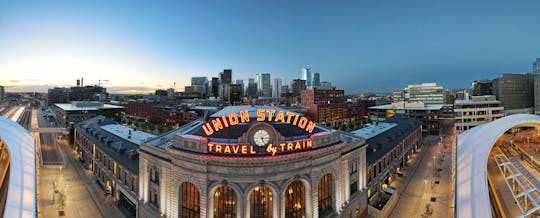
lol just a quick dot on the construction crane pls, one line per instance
(102, 81)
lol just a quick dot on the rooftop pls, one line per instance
(426, 107)
(373, 130)
(90, 106)
(124, 132)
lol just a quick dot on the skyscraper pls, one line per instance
(251, 88)
(214, 91)
(263, 85)
(306, 75)
(297, 85)
(199, 85)
(226, 76)
(316, 79)
(276, 88)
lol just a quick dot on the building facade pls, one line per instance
(515, 91)
(277, 88)
(297, 85)
(427, 93)
(264, 88)
(390, 145)
(328, 106)
(79, 111)
(109, 151)
(253, 161)
(482, 87)
(428, 115)
(306, 75)
(476, 110)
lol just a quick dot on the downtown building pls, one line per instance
(390, 146)
(328, 106)
(516, 92)
(264, 88)
(428, 93)
(476, 110)
(253, 161)
(427, 114)
(109, 151)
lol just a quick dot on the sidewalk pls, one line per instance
(418, 185)
(84, 197)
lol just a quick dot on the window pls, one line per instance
(325, 194)
(353, 166)
(190, 204)
(225, 202)
(354, 187)
(261, 202)
(294, 200)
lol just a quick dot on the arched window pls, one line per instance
(261, 202)
(190, 203)
(325, 194)
(225, 202)
(295, 200)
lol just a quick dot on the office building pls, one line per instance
(226, 76)
(199, 85)
(163, 92)
(57, 95)
(284, 90)
(297, 85)
(277, 88)
(251, 88)
(476, 110)
(109, 151)
(235, 93)
(78, 111)
(316, 79)
(428, 93)
(427, 114)
(237, 163)
(264, 88)
(214, 90)
(328, 106)
(390, 145)
(515, 92)
(482, 87)
(306, 75)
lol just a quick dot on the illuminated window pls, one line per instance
(294, 200)
(190, 201)
(325, 194)
(261, 202)
(225, 202)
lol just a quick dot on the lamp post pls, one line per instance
(434, 157)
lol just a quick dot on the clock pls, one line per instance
(261, 137)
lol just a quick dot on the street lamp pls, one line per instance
(434, 157)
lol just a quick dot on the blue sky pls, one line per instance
(359, 46)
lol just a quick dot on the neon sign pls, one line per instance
(269, 115)
(249, 150)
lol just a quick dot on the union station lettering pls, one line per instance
(248, 150)
(269, 115)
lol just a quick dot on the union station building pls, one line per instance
(253, 161)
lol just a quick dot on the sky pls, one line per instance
(359, 46)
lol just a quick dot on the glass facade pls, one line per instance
(225, 202)
(190, 204)
(261, 202)
(295, 200)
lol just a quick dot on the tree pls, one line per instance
(129, 122)
(61, 200)
(152, 127)
(160, 129)
(351, 125)
(136, 124)
(428, 212)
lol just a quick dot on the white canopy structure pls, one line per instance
(21, 196)
(473, 147)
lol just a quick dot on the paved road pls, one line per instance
(418, 185)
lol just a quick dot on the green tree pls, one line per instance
(61, 200)
(351, 125)
(136, 124)
(129, 122)
(160, 129)
(428, 212)
(151, 127)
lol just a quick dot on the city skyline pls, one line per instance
(139, 47)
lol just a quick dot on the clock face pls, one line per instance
(261, 137)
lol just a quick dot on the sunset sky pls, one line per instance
(359, 46)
